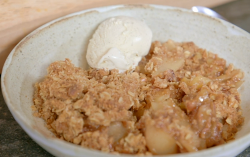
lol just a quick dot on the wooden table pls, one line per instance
(20, 17)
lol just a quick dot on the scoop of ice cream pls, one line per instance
(119, 43)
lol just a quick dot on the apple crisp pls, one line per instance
(180, 98)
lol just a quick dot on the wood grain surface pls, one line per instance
(20, 17)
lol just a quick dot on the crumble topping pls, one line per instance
(180, 98)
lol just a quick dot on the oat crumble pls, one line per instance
(180, 98)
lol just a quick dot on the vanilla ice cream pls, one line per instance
(119, 43)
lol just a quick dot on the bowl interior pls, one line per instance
(68, 37)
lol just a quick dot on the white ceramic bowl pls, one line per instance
(68, 37)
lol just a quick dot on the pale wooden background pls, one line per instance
(20, 17)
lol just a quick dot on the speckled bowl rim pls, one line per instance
(58, 145)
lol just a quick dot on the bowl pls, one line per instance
(68, 37)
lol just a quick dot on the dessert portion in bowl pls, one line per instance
(140, 97)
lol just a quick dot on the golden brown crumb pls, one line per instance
(180, 98)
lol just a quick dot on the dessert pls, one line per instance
(180, 98)
(119, 43)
